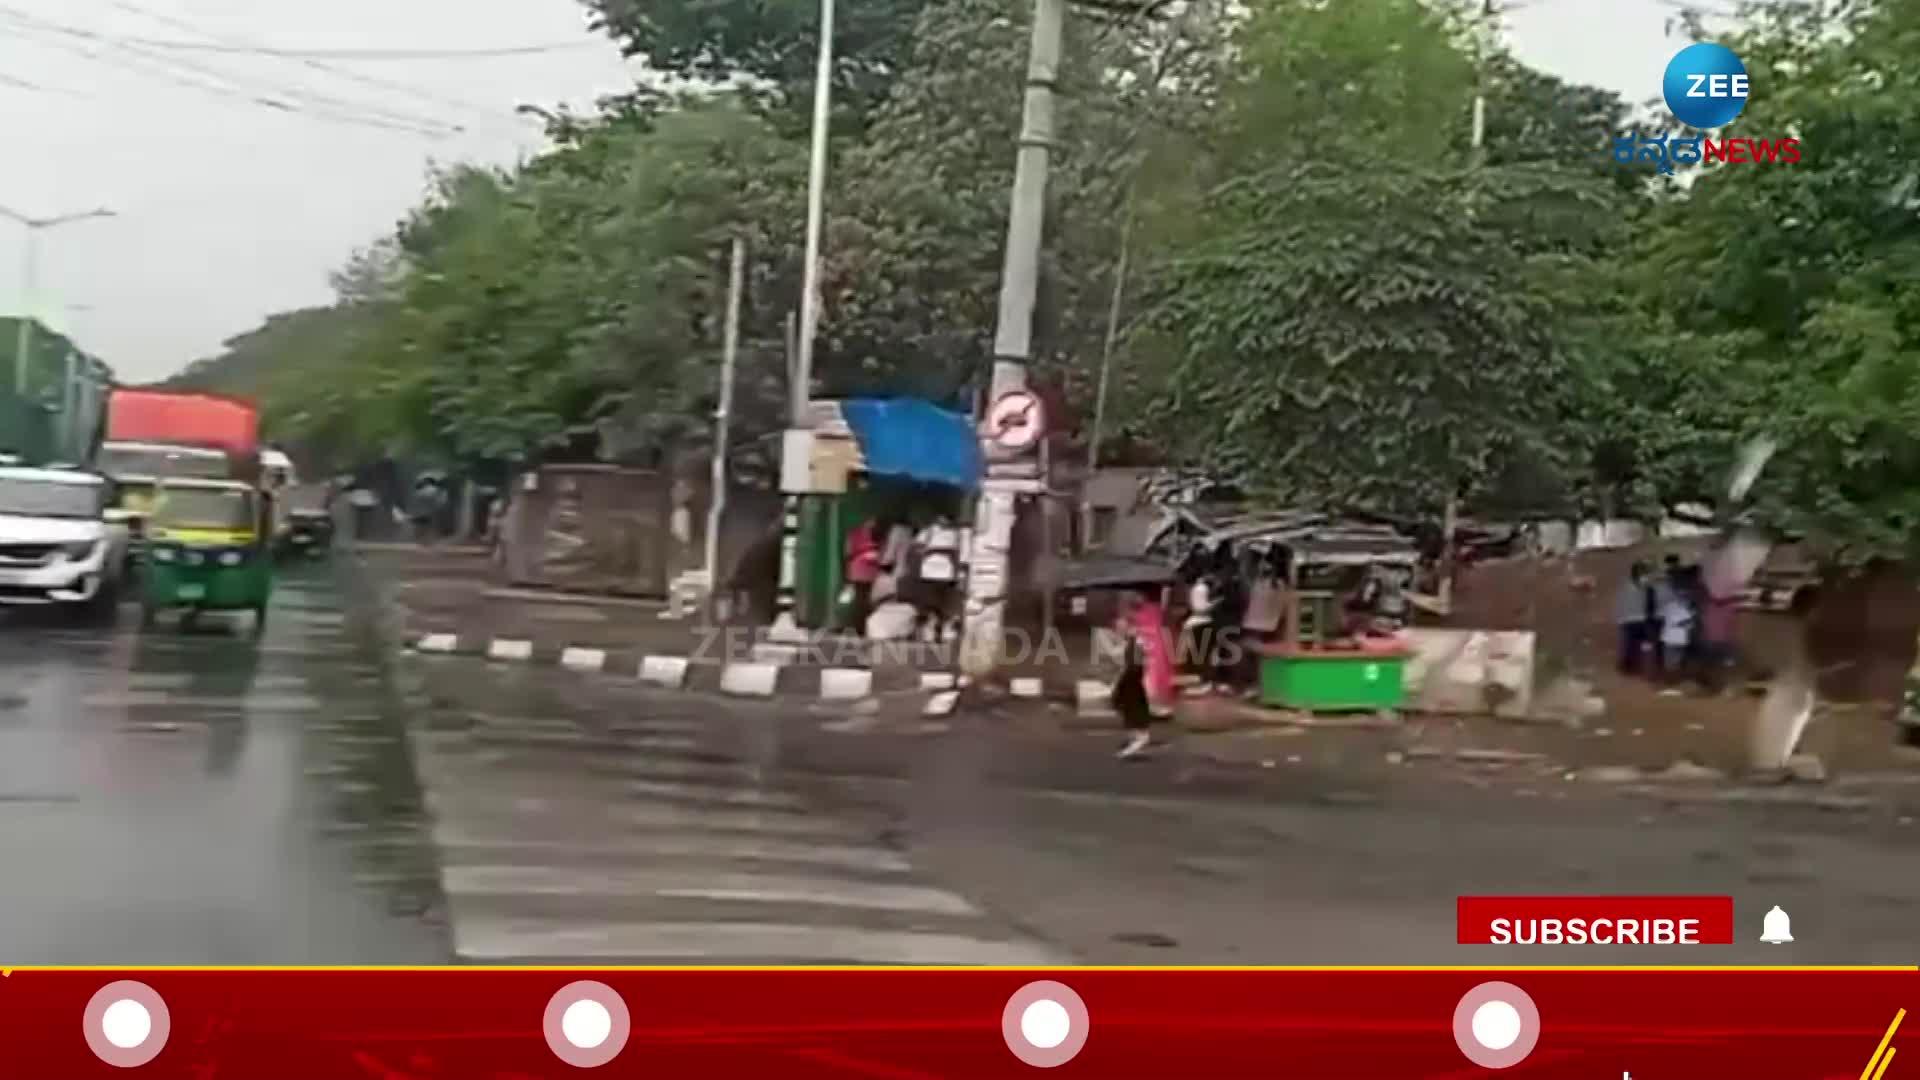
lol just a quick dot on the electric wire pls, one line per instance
(218, 83)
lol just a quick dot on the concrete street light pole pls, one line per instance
(984, 643)
(23, 340)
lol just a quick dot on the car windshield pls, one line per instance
(45, 498)
(203, 508)
(168, 462)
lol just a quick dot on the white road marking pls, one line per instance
(456, 840)
(506, 939)
(702, 885)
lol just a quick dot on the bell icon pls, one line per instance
(1776, 928)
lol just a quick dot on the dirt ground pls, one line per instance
(1859, 635)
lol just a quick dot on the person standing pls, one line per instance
(1632, 607)
(863, 569)
(1145, 690)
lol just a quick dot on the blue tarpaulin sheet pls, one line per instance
(917, 440)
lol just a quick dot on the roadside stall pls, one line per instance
(1337, 589)
(867, 457)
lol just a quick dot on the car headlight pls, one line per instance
(231, 558)
(80, 551)
(163, 554)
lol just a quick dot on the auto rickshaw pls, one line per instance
(208, 549)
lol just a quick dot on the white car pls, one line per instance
(55, 545)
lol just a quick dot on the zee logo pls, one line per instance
(1706, 86)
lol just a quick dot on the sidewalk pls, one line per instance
(449, 602)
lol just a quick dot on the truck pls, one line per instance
(157, 435)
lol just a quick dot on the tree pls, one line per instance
(773, 44)
(1803, 277)
(1344, 303)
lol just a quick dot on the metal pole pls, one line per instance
(985, 640)
(1106, 371)
(730, 348)
(29, 289)
(69, 400)
(816, 212)
(1450, 515)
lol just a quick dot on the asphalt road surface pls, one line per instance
(200, 798)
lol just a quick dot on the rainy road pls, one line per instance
(205, 798)
(175, 798)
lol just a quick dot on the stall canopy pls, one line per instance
(1311, 536)
(915, 439)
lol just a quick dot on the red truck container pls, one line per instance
(184, 419)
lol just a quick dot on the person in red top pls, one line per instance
(1145, 690)
(863, 569)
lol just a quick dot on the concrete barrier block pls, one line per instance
(845, 684)
(578, 659)
(942, 704)
(509, 649)
(749, 680)
(667, 671)
(1093, 697)
(937, 680)
(438, 643)
(772, 652)
(1028, 688)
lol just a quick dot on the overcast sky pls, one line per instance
(230, 210)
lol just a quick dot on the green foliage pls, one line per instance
(773, 43)
(1802, 280)
(1330, 293)
(1348, 309)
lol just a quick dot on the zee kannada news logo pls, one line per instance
(1706, 88)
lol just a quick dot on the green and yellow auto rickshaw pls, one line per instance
(208, 549)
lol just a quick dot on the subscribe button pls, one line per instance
(1596, 920)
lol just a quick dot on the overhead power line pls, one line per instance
(372, 55)
(316, 65)
(212, 81)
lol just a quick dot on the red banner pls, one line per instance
(519, 1024)
(1596, 920)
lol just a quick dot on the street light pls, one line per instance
(29, 286)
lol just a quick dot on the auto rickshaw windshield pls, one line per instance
(204, 508)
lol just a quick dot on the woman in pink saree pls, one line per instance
(1145, 690)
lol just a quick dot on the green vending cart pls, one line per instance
(1332, 679)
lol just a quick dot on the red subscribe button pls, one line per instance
(1596, 920)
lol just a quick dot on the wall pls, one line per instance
(1471, 672)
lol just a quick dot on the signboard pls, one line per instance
(1016, 422)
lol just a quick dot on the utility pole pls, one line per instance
(985, 639)
(1450, 516)
(796, 450)
(29, 283)
(729, 350)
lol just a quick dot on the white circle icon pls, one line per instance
(1045, 1023)
(126, 1023)
(586, 1023)
(1496, 1025)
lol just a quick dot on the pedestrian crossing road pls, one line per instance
(632, 840)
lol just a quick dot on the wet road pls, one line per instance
(205, 798)
(603, 822)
